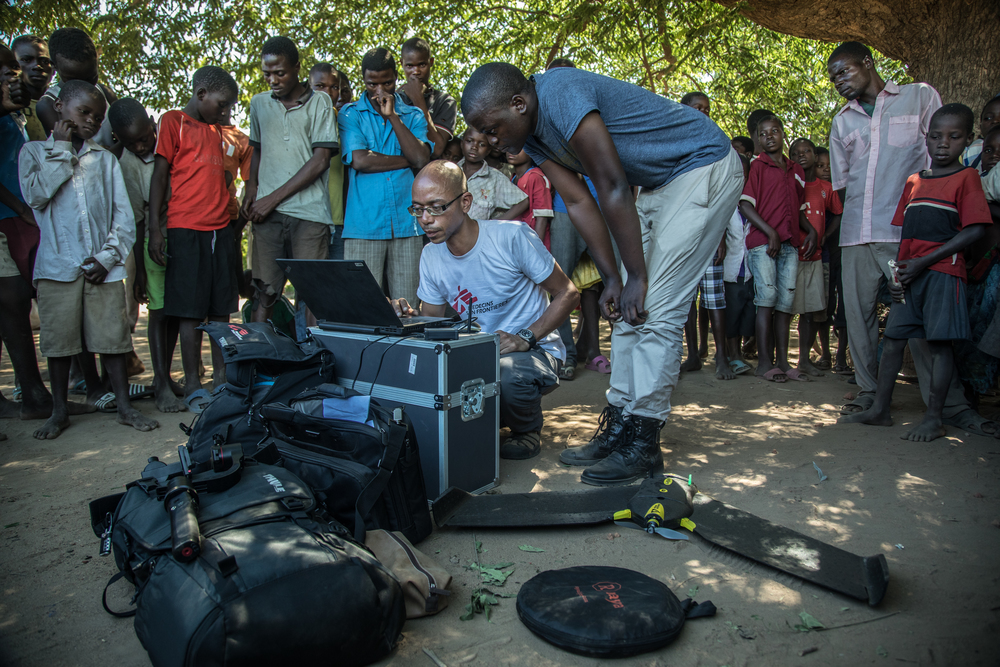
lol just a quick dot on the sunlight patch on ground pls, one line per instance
(743, 482)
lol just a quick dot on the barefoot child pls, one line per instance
(136, 131)
(494, 196)
(80, 265)
(811, 283)
(200, 281)
(772, 201)
(533, 183)
(942, 211)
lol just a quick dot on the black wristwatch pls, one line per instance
(528, 337)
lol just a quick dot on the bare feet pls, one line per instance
(44, 411)
(134, 365)
(703, 352)
(929, 429)
(692, 364)
(807, 367)
(177, 389)
(131, 417)
(166, 401)
(52, 427)
(869, 416)
(723, 371)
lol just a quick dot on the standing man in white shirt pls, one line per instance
(876, 141)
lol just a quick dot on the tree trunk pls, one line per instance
(954, 45)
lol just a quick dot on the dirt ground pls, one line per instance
(931, 509)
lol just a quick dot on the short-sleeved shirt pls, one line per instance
(138, 174)
(287, 138)
(933, 209)
(973, 155)
(491, 192)
(12, 138)
(500, 278)
(991, 185)
(199, 199)
(442, 107)
(377, 203)
(820, 199)
(534, 184)
(872, 156)
(236, 154)
(778, 195)
(657, 139)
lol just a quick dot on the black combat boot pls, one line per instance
(605, 439)
(637, 455)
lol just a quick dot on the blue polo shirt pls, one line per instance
(12, 138)
(377, 203)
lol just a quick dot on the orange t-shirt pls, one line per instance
(198, 195)
(820, 198)
(236, 161)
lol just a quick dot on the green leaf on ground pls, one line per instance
(528, 547)
(479, 547)
(882, 652)
(692, 592)
(12, 525)
(809, 622)
(844, 608)
(482, 601)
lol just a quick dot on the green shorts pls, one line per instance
(156, 277)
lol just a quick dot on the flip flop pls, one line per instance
(862, 402)
(772, 376)
(567, 372)
(107, 403)
(80, 388)
(139, 391)
(599, 364)
(739, 366)
(971, 422)
(797, 375)
(822, 364)
(197, 401)
(842, 368)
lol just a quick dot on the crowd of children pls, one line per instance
(95, 193)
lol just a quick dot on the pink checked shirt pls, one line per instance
(873, 156)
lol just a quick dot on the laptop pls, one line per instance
(344, 296)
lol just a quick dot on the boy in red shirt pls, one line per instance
(201, 276)
(942, 211)
(533, 183)
(772, 201)
(812, 283)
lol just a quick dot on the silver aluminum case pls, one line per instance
(449, 389)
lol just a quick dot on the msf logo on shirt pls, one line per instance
(463, 300)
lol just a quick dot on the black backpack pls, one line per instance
(366, 477)
(263, 365)
(275, 582)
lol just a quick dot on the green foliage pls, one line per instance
(150, 47)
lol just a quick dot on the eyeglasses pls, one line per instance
(418, 211)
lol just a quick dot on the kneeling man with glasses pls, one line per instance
(500, 270)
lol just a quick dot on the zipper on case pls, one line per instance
(432, 582)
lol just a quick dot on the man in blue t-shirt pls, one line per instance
(575, 122)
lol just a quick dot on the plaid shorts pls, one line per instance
(711, 290)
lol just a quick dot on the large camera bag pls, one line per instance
(263, 365)
(275, 581)
(366, 475)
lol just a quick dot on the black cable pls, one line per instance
(380, 359)
(361, 360)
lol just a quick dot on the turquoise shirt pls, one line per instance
(377, 203)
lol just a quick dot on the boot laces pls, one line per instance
(604, 423)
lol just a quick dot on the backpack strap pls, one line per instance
(370, 495)
(104, 598)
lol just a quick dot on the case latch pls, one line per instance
(473, 399)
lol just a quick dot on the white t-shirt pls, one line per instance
(500, 276)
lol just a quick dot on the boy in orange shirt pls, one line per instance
(201, 277)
